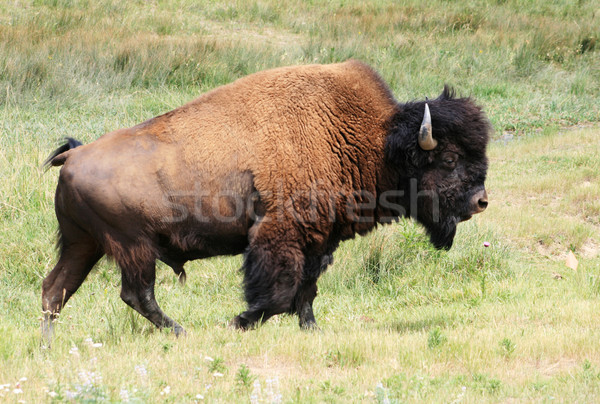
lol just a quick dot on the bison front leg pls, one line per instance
(138, 293)
(304, 306)
(303, 301)
(272, 274)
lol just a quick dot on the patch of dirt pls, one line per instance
(245, 32)
(269, 367)
(550, 367)
(590, 249)
(552, 251)
(556, 252)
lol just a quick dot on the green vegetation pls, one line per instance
(401, 322)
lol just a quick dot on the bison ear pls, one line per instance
(426, 140)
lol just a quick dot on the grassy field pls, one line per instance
(400, 321)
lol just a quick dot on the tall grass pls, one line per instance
(541, 58)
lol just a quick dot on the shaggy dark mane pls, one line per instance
(455, 120)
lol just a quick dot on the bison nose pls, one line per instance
(479, 201)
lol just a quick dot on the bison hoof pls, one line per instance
(179, 331)
(310, 326)
(241, 323)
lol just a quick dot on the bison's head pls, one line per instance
(439, 147)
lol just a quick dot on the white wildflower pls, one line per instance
(460, 395)
(165, 391)
(382, 393)
(85, 377)
(90, 378)
(17, 391)
(142, 372)
(217, 374)
(256, 395)
(272, 390)
(124, 394)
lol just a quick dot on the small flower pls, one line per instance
(23, 379)
(165, 391)
(52, 394)
(486, 244)
(208, 358)
(217, 374)
(97, 344)
(199, 397)
(74, 351)
(17, 391)
(141, 370)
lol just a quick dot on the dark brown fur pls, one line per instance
(281, 165)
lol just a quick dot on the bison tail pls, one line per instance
(58, 158)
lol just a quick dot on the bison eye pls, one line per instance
(449, 160)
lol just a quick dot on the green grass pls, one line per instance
(400, 321)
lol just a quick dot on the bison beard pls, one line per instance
(442, 235)
(281, 166)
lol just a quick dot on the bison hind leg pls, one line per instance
(137, 290)
(79, 253)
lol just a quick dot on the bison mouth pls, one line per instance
(465, 218)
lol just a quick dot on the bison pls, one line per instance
(280, 166)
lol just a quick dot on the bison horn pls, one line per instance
(426, 140)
